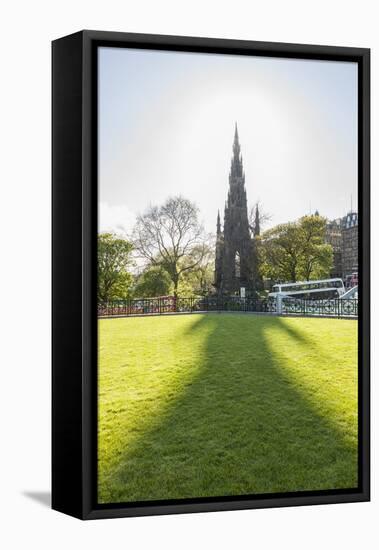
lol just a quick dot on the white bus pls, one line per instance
(310, 290)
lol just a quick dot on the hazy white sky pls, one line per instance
(166, 126)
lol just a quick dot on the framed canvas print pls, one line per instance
(210, 274)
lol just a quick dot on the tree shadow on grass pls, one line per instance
(241, 426)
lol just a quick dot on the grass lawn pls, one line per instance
(225, 404)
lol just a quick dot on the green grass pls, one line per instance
(225, 404)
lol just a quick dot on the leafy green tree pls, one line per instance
(199, 280)
(281, 252)
(187, 287)
(153, 281)
(317, 256)
(297, 250)
(113, 259)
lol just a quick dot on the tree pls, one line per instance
(297, 251)
(153, 281)
(172, 237)
(199, 280)
(281, 252)
(113, 259)
(317, 256)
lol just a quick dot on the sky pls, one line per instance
(166, 128)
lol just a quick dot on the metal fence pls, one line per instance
(336, 307)
(170, 304)
(284, 306)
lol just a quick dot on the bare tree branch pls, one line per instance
(167, 234)
(255, 212)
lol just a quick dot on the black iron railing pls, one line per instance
(171, 304)
(335, 307)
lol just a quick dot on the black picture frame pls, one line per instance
(74, 320)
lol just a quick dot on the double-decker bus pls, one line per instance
(310, 290)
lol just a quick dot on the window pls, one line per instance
(237, 265)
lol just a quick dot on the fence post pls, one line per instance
(279, 304)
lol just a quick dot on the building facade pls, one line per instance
(342, 235)
(235, 263)
(333, 236)
(349, 244)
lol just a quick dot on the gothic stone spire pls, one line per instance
(236, 169)
(218, 223)
(236, 143)
(234, 256)
(257, 228)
